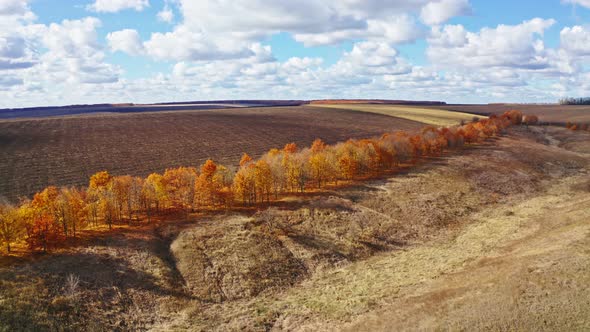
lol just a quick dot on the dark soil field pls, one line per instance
(36, 112)
(557, 114)
(66, 150)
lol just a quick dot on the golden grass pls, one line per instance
(429, 116)
(425, 287)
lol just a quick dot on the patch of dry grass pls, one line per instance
(480, 280)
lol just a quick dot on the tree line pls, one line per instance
(574, 101)
(56, 214)
(577, 126)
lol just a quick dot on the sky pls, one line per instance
(62, 52)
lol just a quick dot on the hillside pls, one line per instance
(494, 237)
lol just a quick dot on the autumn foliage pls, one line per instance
(578, 126)
(56, 214)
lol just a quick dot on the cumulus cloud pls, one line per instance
(576, 40)
(218, 51)
(17, 54)
(73, 54)
(13, 7)
(13, 15)
(514, 46)
(393, 29)
(372, 58)
(113, 6)
(440, 11)
(182, 44)
(127, 41)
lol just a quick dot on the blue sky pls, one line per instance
(97, 51)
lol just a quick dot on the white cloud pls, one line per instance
(166, 15)
(514, 46)
(440, 11)
(309, 21)
(393, 29)
(13, 15)
(127, 41)
(220, 52)
(225, 29)
(576, 40)
(113, 6)
(183, 44)
(583, 3)
(372, 58)
(13, 7)
(73, 54)
(72, 37)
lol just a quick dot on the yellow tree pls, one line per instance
(318, 162)
(293, 168)
(77, 209)
(263, 180)
(206, 187)
(71, 210)
(244, 184)
(347, 160)
(245, 160)
(155, 190)
(121, 186)
(274, 159)
(100, 191)
(10, 224)
(180, 186)
(44, 231)
(135, 196)
(223, 180)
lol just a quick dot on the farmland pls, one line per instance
(490, 214)
(551, 113)
(66, 150)
(451, 114)
(428, 115)
(477, 238)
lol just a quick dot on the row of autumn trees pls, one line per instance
(56, 214)
(578, 126)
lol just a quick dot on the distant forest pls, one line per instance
(575, 101)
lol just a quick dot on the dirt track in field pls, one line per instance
(67, 150)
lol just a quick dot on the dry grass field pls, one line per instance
(67, 150)
(424, 114)
(494, 237)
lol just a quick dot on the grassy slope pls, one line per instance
(429, 116)
(507, 270)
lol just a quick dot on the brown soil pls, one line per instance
(67, 150)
